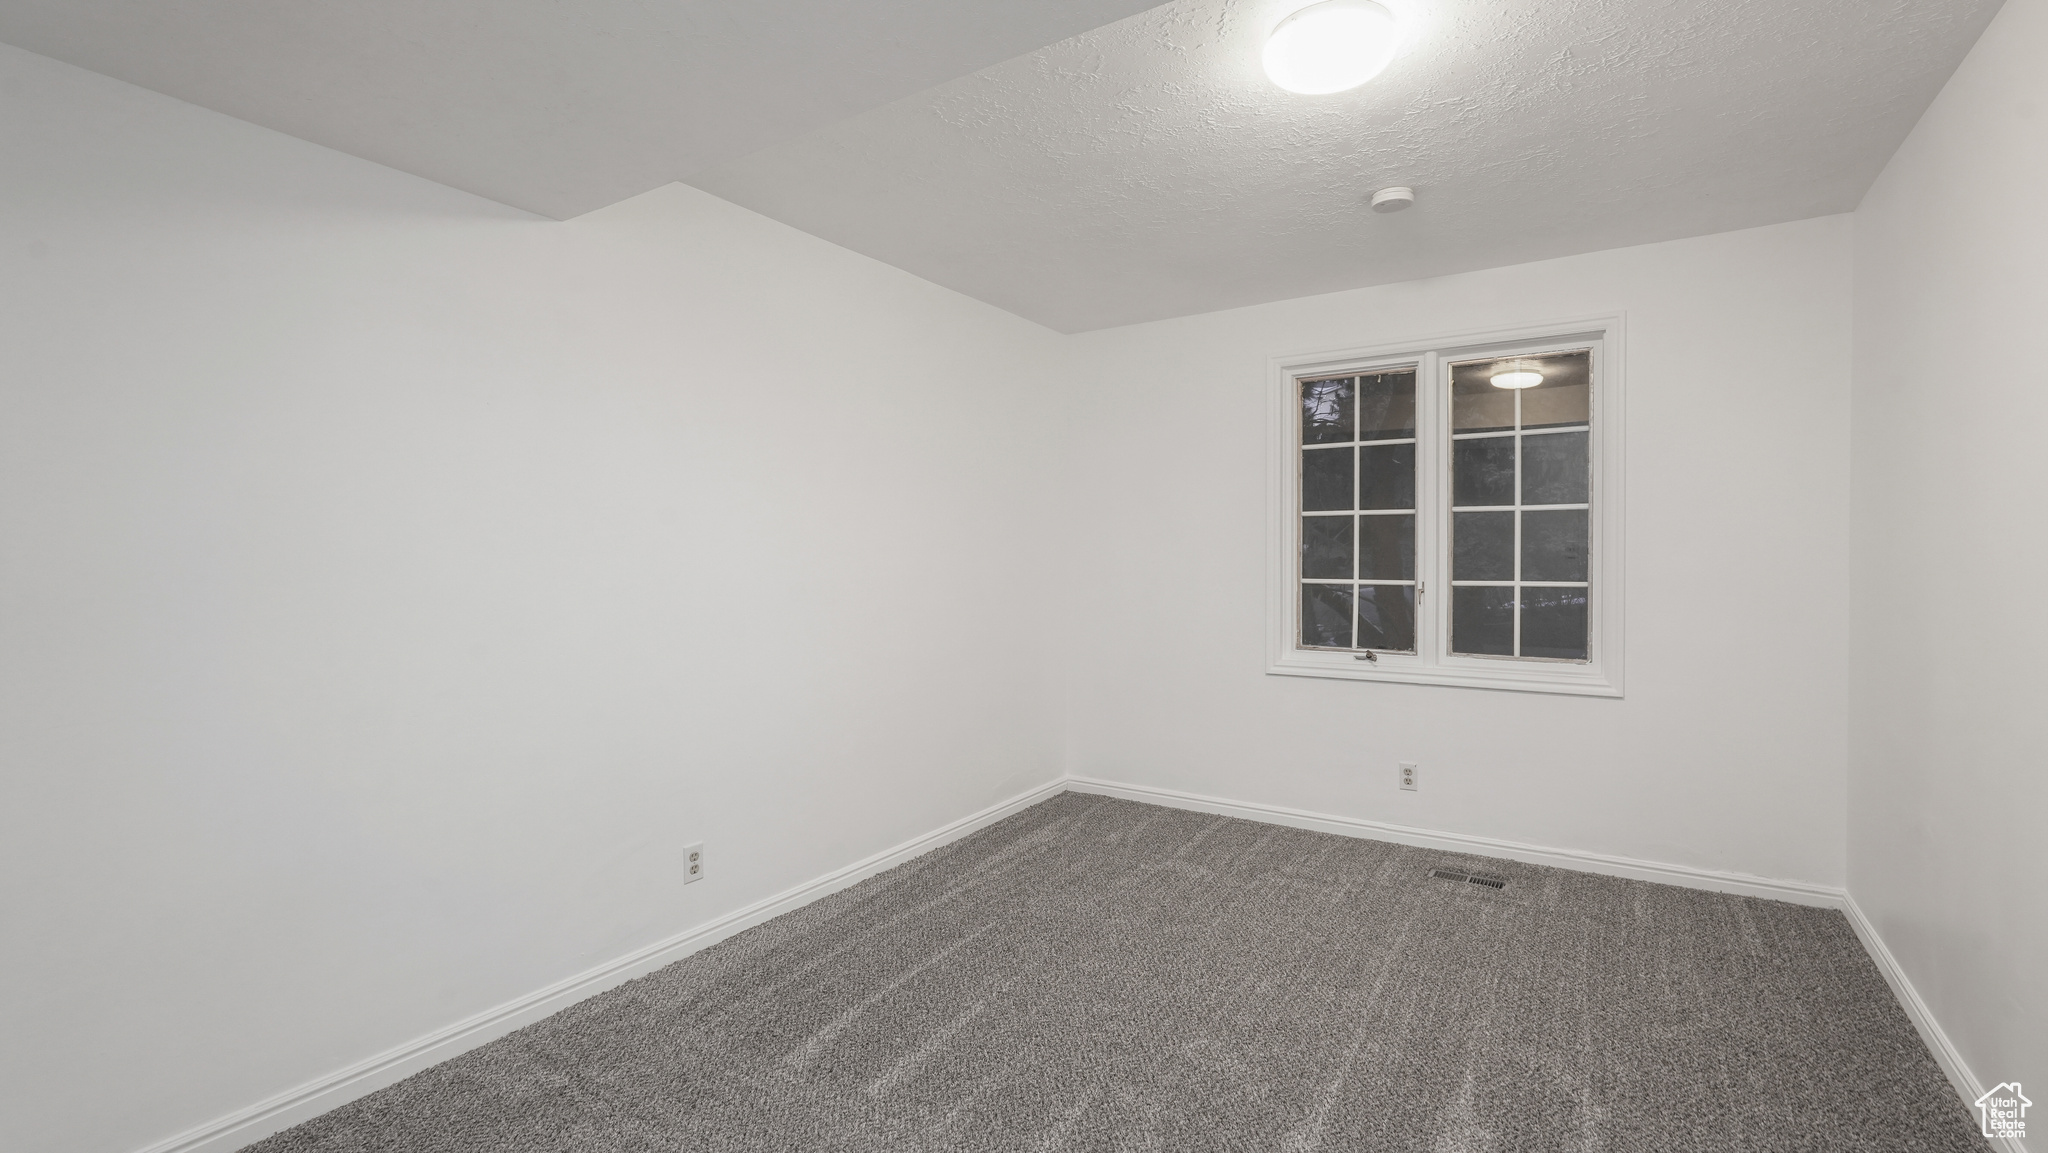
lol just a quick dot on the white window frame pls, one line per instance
(1432, 662)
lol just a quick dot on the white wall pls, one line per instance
(1948, 851)
(391, 582)
(1728, 752)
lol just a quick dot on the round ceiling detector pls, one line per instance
(1392, 199)
(1331, 46)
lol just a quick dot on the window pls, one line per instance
(1358, 511)
(1450, 512)
(1521, 487)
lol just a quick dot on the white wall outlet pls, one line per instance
(1408, 776)
(693, 862)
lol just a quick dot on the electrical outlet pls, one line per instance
(693, 863)
(1408, 776)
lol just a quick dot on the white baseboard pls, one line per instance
(1743, 884)
(1945, 1054)
(318, 1096)
(315, 1097)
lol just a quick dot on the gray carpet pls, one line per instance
(1094, 974)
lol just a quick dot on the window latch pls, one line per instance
(1367, 655)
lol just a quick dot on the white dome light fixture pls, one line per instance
(1331, 47)
(1515, 374)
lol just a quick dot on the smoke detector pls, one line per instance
(1392, 199)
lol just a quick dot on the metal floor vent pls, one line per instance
(1489, 880)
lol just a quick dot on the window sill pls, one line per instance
(1568, 679)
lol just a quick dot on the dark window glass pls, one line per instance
(1476, 405)
(1372, 488)
(1554, 623)
(1327, 410)
(1565, 396)
(1554, 468)
(1483, 620)
(1326, 479)
(1326, 616)
(1483, 471)
(1386, 617)
(1386, 476)
(1326, 547)
(1386, 547)
(1553, 545)
(1386, 405)
(1483, 546)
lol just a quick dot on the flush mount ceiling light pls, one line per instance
(1515, 374)
(1331, 46)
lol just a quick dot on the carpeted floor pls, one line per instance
(1094, 974)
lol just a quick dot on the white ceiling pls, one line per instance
(1147, 169)
(554, 106)
(1140, 170)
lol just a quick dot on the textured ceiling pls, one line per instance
(555, 106)
(1140, 170)
(1147, 169)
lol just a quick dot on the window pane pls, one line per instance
(1483, 471)
(1326, 546)
(1326, 616)
(1386, 405)
(1563, 397)
(1386, 547)
(1483, 546)
(1386, 476)
(1476, 405)
(1326, 479)
(1554, 469)
(1327, 407)
(1386, 617)
(1554, 623)
(1483, 621)
(1553, 545)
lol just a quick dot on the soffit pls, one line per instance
(555, 107)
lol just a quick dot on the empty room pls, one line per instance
(1044, 576)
